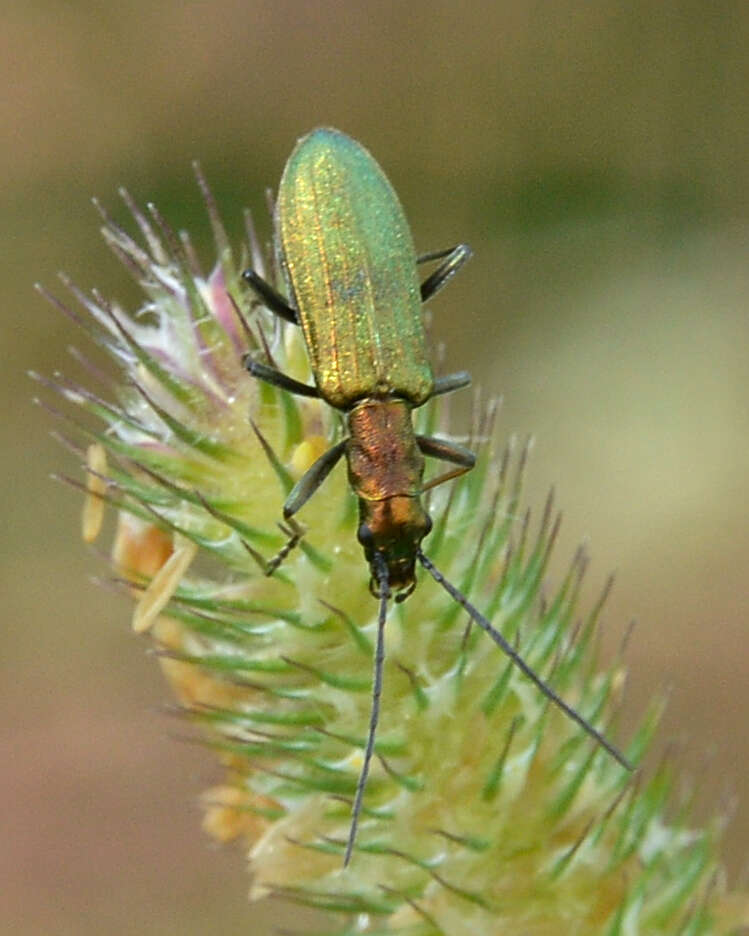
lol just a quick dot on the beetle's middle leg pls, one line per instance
(455, 258)
(451, 382)
(463, 458)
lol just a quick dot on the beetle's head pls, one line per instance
(394, 529)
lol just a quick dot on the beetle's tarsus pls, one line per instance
(294, 531)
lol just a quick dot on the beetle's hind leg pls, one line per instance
(271, 298)
(451, 452)
(277, 379)
(455, 258)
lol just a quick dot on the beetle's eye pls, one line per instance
(427, 524)
(364, 535)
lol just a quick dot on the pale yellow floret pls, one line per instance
(93, 507)
(228, 813)
(163, 585)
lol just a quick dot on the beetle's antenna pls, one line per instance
(374, 712)
(500, 641)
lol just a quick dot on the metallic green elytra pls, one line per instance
(350, 271)
(349, 260)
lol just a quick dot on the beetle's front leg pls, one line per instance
(461, 457)
(295, 531)
(312, 478)
(305, 487)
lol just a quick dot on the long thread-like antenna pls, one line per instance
(500, 641)
(374, 712)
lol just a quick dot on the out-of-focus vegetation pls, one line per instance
(594, 156)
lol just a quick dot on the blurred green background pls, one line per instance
(596, 157)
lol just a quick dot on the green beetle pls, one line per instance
(350, 267)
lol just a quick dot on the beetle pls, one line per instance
(348, 261)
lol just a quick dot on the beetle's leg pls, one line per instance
(272, 376)
(305, 487)
(437, 254)
(451, 382)
(451, 452)
(270, 298)
(312, 478)
(456, 257)
(295, 531)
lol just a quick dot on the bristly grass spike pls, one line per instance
(348, 262)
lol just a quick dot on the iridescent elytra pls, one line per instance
(351, 274)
